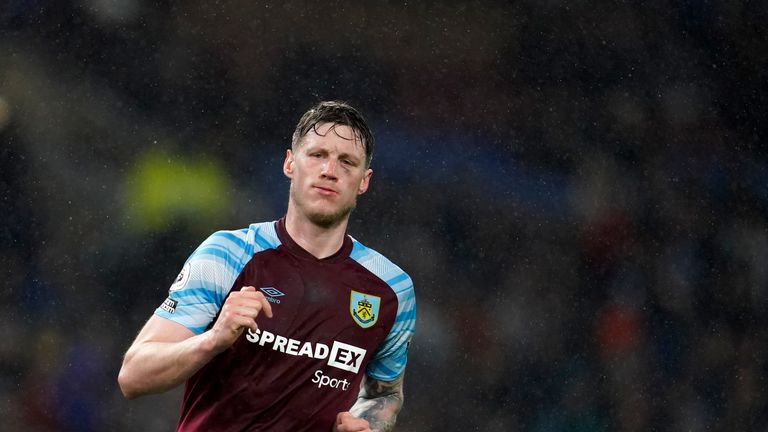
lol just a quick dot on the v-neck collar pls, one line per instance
(295, 249)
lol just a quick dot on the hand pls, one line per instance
(346, 422)
(238, 313)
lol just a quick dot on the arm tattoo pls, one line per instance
(379, 402)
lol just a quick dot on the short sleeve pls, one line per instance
(197, 294)
(388, 363)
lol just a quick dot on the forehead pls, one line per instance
(342, 137)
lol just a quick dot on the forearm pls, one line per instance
(379, 403)
(154, 367)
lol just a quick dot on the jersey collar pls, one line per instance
(296, 250)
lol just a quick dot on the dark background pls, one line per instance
(578, 189)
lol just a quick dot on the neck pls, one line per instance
(320, 241)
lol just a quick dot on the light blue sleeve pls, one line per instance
(204, 282)
(388, 363)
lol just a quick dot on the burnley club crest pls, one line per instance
(364, 308)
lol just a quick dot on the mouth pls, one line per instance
(324, 190)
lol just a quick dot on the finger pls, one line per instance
(254, 300)
(234, 315)
(341, 416)
(243, 322)
(238, 322)
(247, 311)
(244, 292)
(249, 307)
(266, 307)
(346, 422)
(359, 424)
(352, 427)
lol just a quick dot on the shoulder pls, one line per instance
(262, 236)
(245, 241)
(382, 267)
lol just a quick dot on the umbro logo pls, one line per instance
(272, 293)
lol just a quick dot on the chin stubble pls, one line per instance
(325, 220)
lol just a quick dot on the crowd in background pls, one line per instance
(578, 189)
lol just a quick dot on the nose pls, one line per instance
(329, 169)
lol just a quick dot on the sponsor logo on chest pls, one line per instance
(323, 380)
(339, 355)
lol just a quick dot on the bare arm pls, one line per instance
(165, 353)
(163, 356)
(379, 402)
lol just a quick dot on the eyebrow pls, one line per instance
(350, 156)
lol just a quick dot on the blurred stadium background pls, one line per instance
(579, 190)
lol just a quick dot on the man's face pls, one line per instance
(327, 173)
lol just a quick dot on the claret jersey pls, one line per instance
(335, 319)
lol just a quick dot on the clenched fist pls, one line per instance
(238, 313)
(346, 422)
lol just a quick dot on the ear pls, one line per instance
(365, 182)
(288, 164)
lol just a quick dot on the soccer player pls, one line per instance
(289, 325)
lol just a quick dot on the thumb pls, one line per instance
(341, 416)
(248, 288)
